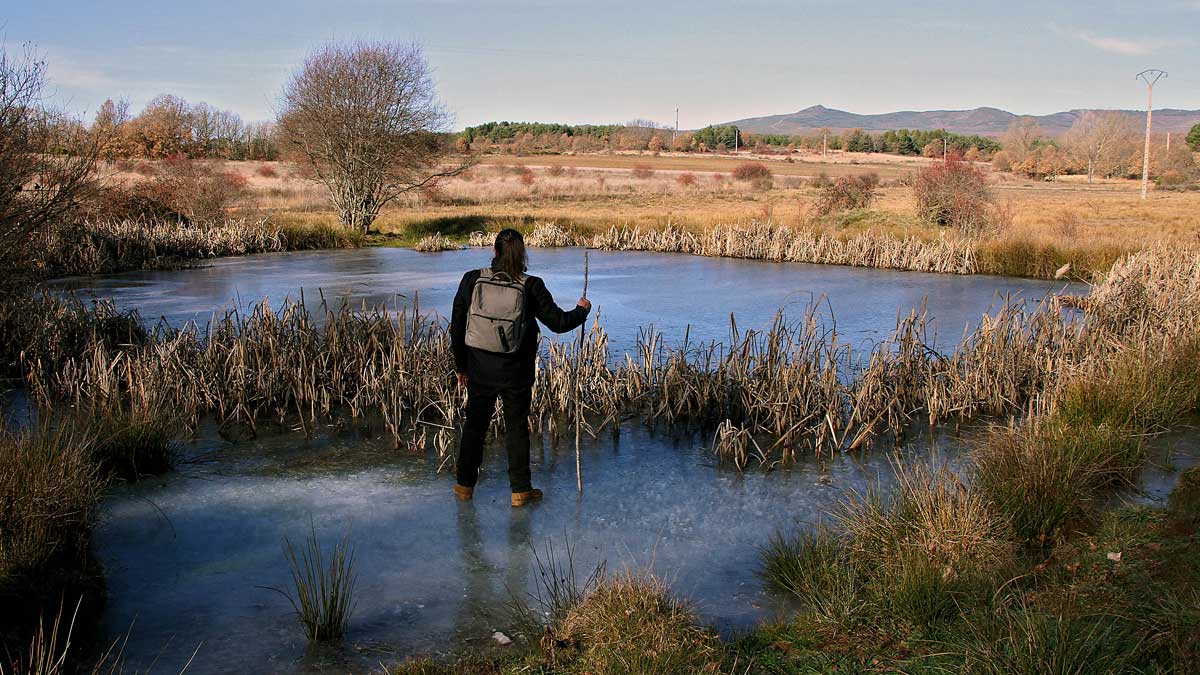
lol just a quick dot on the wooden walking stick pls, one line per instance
(579, 389)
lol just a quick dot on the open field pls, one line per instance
(1045, 223)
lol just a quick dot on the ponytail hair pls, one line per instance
(510, 254)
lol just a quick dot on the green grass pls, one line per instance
(305, 235)
(1050, 472)
(323, 585)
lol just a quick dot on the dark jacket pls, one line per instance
(508, 370)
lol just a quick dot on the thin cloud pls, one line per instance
(1114, 45)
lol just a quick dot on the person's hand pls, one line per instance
(462, 380)
(585, 303)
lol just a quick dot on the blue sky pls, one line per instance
(571, 61)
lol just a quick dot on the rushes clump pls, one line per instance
(914, 559)
(815, 567)
(558, 589)
(49, 493)
(323, 584)
(1023, 641)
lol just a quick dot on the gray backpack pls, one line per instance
(496, 322)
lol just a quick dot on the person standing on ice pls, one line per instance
(494, 336)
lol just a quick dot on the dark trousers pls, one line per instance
(481, 403)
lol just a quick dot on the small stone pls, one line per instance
(1114, 556)
(501, 638)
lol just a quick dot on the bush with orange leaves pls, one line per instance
(954, 194)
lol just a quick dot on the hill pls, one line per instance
(979, 121)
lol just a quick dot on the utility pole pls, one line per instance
(943, 149)
(1168, 144)
(825, 144)
(736, 133)
(676, 132)
(1150, 77)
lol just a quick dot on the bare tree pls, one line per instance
(46, 160)
(1021, 137)
(1097, 138)
(364, 116)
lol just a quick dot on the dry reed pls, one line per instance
(794, 381)
(766, 240)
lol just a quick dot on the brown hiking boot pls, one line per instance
(464, 493)
(523, 498)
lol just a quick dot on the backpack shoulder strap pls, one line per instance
(485, 273)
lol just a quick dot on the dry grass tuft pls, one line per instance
(630, 625)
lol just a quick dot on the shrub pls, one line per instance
(643, 171)
(554, 170)
(686, 179)
(1176, 181)
(953, 194)
(752, 171)
(847, 193)
(195, 190)
(1002, 161)
(525, 176)
(266, 171)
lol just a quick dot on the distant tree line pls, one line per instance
(542, 137)
(1104, 144)
(169, 126)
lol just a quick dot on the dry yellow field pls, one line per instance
(1048, 222)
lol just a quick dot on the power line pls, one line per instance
(1150, 77)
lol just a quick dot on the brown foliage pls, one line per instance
(954, 194)
(266, 171)
(193, 190)
(751, 171)
(643, 171)
(847, 193)
(686, 179)
(46, 162)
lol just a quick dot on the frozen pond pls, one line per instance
(630, 290)
(190, 556)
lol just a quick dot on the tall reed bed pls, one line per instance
(766, 240)
(942, 552)
(794, 381)
(107, 246)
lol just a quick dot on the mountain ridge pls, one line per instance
(982, 121)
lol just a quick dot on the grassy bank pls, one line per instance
(105, 247)
(1118, 596)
